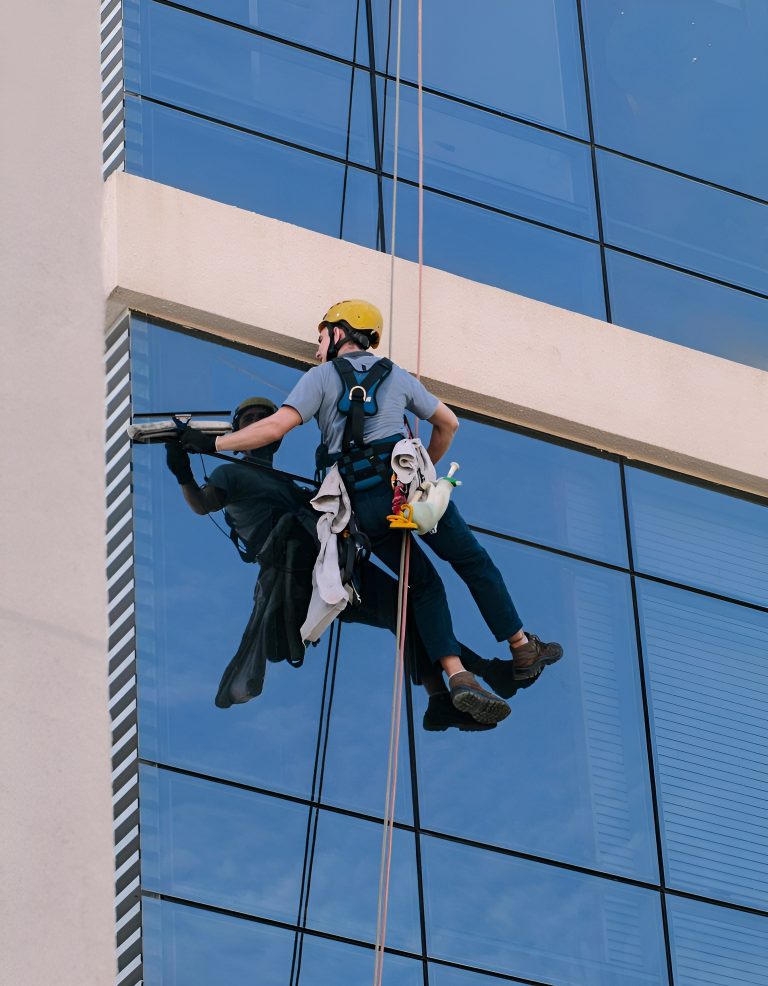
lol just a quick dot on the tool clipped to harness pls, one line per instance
(430, 501)
(354, 549)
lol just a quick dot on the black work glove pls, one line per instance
(193, 440)
(177, 461)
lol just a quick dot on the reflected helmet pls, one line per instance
(250, 402)
(357, 315)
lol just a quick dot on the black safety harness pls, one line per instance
(362, 465)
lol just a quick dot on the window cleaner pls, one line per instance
(348, 331)
(273, 525)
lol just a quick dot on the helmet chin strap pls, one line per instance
(333, 346)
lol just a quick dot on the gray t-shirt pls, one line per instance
(318, 391)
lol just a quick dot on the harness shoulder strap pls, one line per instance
(358, 397)
(344, 369)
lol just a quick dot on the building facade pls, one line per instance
(595, 300)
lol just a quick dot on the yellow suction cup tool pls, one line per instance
(404, 520)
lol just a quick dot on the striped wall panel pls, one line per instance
(112, 114)
(708, 689)
(717, 946)
(122, 655)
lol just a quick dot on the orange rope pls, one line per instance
(394, 748)
(405, 558)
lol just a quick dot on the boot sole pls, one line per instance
(482, 708)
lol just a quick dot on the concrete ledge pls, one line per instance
(266, 283)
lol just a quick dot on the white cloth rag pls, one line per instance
(412, 465)
(165, 430)
(329, 595)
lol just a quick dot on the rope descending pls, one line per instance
(405, 554)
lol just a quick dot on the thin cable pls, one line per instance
(420, 86)
(405, 554)
(394, 181)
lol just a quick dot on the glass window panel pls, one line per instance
(356, 757)
(361, 120)
(688, 310)
(708, 684)
(684, 222)
(484, 246)
(238, 169)
(361, 209)
(238, 77)
(194, 594)
(194, 598)
(330, 963)
(716, 945)
(699, 536)
(498, 162)
(173, 371)
(687, 106)
(574, 782)
(345, 882)
(186, 946)
(315, 23)
(523, 58)
(559, 497)
(220, 845)
(540, 922)
(361, 149)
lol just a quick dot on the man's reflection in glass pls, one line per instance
(273, 524)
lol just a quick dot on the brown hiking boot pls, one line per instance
(469, 696)
(528, 660)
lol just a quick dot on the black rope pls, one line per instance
(265, 468)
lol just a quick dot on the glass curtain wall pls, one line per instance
(611, 832)
(601, 156)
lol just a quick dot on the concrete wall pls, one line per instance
(260, 281)
(56, 894)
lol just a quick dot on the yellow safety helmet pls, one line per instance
(361, 316)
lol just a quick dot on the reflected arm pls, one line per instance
(203, 499)
(260, 433)
(445, 424)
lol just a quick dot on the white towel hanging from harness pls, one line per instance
(329, 595)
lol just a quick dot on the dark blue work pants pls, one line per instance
(454, 543)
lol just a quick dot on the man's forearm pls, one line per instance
(194, 497)
(439, 442)
(260, 433)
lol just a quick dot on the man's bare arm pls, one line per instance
(202, 499)
(260, 433)
(445, 424)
